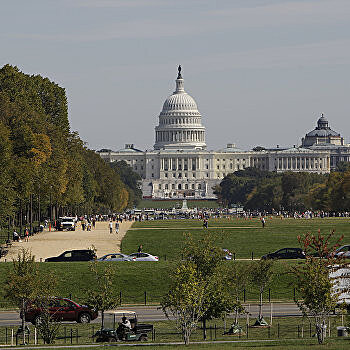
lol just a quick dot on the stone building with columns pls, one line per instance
(180, 164)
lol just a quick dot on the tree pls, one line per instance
(26, 284)
(207, 257)
(131, 179)
(262, 274)
(239, 277)
(102, 295)
(185, 299)
(314, 285)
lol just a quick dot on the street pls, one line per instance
(154, 313)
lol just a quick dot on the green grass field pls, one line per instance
(165, 239)
(242, 236)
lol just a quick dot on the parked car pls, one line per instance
(343, 252)
(74, 255)
(60, 309)
(143, 257)
(286, 253)
(115, 257)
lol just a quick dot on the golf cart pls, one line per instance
(114, 330)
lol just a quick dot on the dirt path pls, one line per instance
(46, 244)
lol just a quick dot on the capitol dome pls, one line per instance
(180, 123)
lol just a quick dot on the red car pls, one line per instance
(62, 309)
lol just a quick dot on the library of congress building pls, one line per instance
(180, 165)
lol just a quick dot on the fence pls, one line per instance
(148, 298)
(282, 328)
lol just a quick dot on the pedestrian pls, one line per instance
(26, 235)
(110, 226)
(15, 236)
(139, 249)
(263, 222)
(83, 224)
(117, 227)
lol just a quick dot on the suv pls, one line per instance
(61, 309)
(65, 223)
(74, 255)
(285, 253)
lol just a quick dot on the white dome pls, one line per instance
(180, 123)
(179, 102)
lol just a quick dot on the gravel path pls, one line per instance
(46, 244)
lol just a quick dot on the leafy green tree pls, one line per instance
(261, 274)
(267, 195)
(239, 278)
(7, 193)
(315, 287)
(25, 283)
(102, 295)
(184, 301)
(208, 259)
(131, 179)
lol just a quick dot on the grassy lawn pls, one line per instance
(176, 203)
(242, 236)
(291, 332)
(165, 239)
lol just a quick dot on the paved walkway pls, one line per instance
(46, 244)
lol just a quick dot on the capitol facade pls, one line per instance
(181, 166)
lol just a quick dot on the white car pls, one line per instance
(115, 257)
(343, 252)
(143, 257)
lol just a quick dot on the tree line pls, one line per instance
(46, 169)
(256, 189)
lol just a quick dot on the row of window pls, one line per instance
(179, 186)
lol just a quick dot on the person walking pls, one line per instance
(117, 227)
(263, 222)
(26, 235)
(110, 226)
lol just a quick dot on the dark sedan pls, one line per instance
(285, 253)
(74, 255)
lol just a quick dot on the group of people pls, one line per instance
(17, 237)
(117, 226)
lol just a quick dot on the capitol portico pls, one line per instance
(180, 165)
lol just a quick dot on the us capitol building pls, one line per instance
(180, 165)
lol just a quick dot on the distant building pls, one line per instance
(323, 138)
(181, 166)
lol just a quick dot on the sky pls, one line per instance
(261, 71)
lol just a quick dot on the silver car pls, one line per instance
(143, 257)
(115, 257)
(343, 252)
